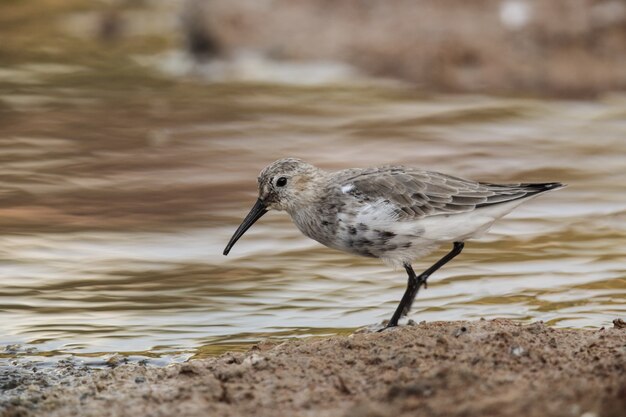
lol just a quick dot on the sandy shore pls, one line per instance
(482, 368)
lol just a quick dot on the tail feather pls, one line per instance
(540, 187)
(504, 193)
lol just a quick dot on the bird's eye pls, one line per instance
(281, 182)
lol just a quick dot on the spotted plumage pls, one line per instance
(394, 213)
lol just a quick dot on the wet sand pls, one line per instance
(479, 368)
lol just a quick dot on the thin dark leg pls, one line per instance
(415, 282)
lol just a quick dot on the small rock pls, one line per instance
(256, 361)
(619, 324)
(517, 351)
(140, 380)
(458, 332)
(230, 359)
(114, 361)
(253, 359)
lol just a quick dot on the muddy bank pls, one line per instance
(560, 47)
(482, 368)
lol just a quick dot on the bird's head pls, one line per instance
(286, 184)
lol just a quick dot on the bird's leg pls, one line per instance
(412, 287)
(415, 282)
(421, 279)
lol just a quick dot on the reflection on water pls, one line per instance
(118, 198)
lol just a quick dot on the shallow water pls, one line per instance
(121, 187)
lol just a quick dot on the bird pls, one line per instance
(397, 214)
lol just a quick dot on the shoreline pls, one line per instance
(479, 368)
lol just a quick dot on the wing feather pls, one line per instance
(417, 194)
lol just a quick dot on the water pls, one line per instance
(121, 187)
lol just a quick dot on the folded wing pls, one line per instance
(417, 194)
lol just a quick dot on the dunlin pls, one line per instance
(393, 213)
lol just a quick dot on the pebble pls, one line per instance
(517, 351)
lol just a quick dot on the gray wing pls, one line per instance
(417, 194)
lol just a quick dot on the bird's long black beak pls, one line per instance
(257, 211)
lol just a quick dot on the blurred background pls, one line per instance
(132, 133)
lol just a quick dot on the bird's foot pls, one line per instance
(387, 324)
